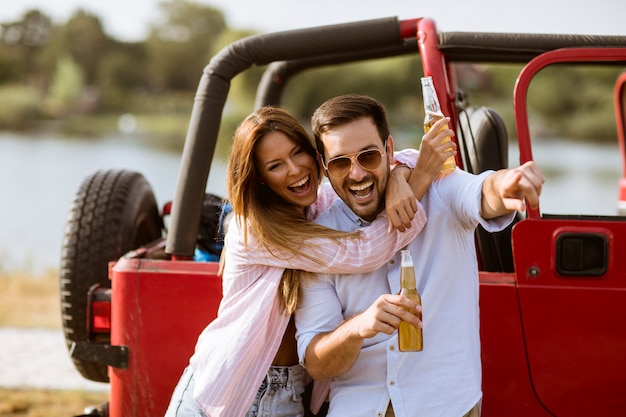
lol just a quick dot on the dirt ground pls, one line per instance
(38, 358)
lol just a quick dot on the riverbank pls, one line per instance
(33, 353)
(37, 358)
(30, 300)
(48, 403)
(37, 376)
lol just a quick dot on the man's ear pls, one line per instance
(320, 160)
(390, 148)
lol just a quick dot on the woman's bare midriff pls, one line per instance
(287, 354)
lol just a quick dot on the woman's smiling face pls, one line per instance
(287, 169)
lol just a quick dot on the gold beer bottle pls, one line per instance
(409, 337)
(432, 113)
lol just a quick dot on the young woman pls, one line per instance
(245, 361)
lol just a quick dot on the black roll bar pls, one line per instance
(515, 47)
(211, 96)
(275, 77)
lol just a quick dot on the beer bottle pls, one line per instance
(409, 336)
(432, 113)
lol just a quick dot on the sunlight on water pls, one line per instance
(41, 176)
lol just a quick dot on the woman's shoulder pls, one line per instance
(326, 196)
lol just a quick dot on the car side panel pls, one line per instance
(507, 389)
(159, 309)
(574, 323)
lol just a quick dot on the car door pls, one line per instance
(571, 275)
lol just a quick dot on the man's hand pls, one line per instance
(333, 353)
(505, 190)
(385, 315)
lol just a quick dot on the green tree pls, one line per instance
(393, 81)
(20, 43)
(179, 45)
(123, 75)
(67, 86)
(84, 38)
(578, 105)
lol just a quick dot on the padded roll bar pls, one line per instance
(212, 92)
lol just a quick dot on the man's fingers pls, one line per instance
(514, 204)
(400, 309)
(536, 180)
(525, 182)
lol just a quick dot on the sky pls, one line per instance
(128, 20)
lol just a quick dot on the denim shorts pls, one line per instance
(280, 394)
(182, 403)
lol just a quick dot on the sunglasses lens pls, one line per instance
(339, 167)
(369, 159)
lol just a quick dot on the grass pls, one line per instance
(48, 403)
(30, 301)
(33, 301)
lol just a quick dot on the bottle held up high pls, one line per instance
(410, 338)
(432, 113)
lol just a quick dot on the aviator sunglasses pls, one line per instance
(369, 159)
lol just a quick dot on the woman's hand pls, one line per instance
(433, 153)
(400, 203)
(406, 185)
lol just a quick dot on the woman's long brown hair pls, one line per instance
(277, 224)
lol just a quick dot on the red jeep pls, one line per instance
(553, 290)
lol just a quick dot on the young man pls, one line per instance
(347, 324)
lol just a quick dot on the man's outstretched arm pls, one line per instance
(506, 190)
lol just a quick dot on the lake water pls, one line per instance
(39, 176)
(38, 180)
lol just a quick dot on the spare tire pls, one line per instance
(113, 212)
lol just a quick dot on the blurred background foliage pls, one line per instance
(76, 79)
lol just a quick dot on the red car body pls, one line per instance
(552, 288)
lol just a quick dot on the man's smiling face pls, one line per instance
(363, 190)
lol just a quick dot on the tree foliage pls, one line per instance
(76, 68)
(179, 44)
(67, 85)
(21, 43)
